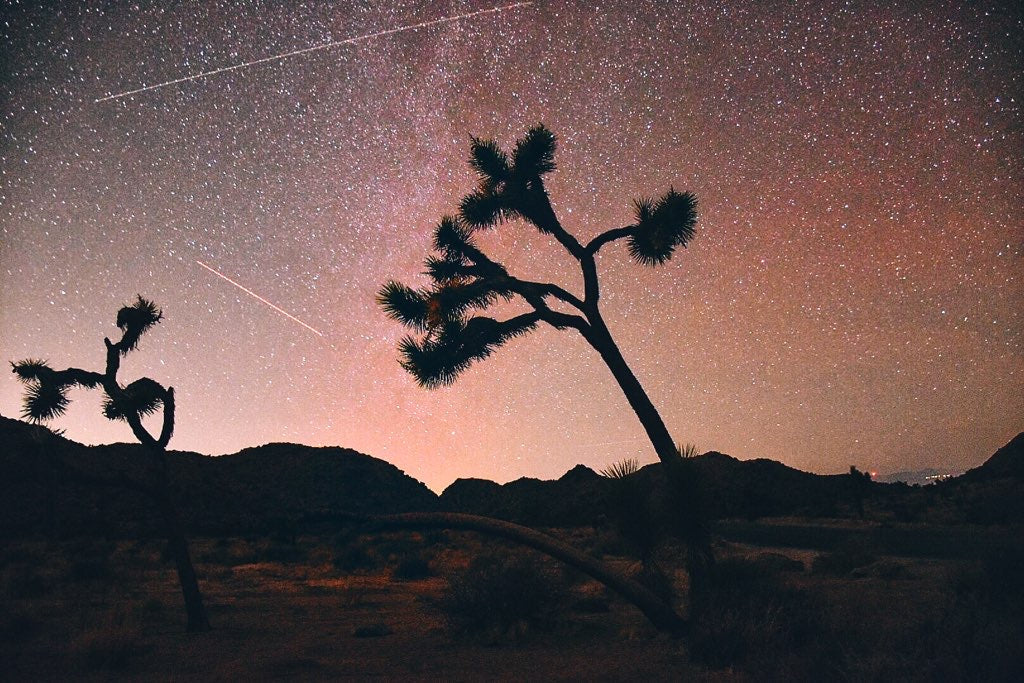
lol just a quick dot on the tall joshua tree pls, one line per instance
(46, 397)
(450, 332)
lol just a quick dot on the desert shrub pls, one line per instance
(353, 559)
(843, 560)
(231, 553)
(376, 630)
(217, 555)
(284, 531)
(391, 548)
(611, 543)
(501, 592)
(152, 606)
(656, 580)
(591, 604)
(26, 582)
(637, 523)
(777, 562)
(412, 568)
(885, 568)
(109, 644)
(16, 625)
(571, 576)
(979, 632)
(747, 616)
(623, 468)
(89, 569)
(285, 553)
(140, 553)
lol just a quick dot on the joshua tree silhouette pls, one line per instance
(46, 397)
(449, 337)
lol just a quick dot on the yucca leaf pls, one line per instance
(534, 154)
(621, 469)
(452, 239)
(456, 297)
(427, 363)
(489, 161)
(687, 451)
(404, 304)
(134, 320)
(662, 226)
(445, 269)
(484, 209)
(142, 397)
(44, 400)
(439, 359)
(30, 369)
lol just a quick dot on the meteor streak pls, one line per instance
(285, 55)
(257, 296)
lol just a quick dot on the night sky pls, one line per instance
(854, 293)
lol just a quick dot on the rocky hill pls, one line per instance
(47, 487)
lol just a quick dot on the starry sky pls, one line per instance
(854, 293)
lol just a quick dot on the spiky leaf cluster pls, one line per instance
(142, 397)
(688, 450)
(134, 320)
(510, 188)
(661, 226)
(30, 369)
(46, 395)
(440, 356)
(463, 280)
(621, 469)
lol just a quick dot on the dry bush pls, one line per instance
(21, 582)
(501, 592)
(412, 568)
(111, 643)
(843, 560)
(747, 616)
(16, 624)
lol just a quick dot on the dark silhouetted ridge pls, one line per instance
(254, 490)
(1007, 462)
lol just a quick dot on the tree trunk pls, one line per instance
(680, 475)
(654, 608)
(178, 548)
(601, 339)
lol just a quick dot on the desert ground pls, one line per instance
(406, 606)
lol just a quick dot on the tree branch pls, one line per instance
(168, 428)
(609, 236)
(83, 378)
(113, 359)
(522, 287)
(659, 612)
(547, 221)
(562, 320)
(534, 292)
(591, 286)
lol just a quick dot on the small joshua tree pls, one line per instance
(449, 336)
(46, 397)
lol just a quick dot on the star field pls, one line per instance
(853, 295)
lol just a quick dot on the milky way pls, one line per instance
(853, 295)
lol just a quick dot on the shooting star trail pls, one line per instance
(324, 46)
(610, 443)
(257, 296)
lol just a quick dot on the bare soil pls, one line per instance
(291, 609)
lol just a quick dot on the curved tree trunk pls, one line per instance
(601, 339)
(680, 474)
(654, 608)
(177, 545)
